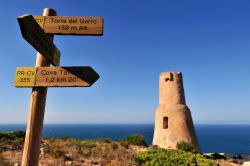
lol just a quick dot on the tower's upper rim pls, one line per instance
(173, 72)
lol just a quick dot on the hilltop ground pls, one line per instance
(131, 151)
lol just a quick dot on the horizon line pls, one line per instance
(123, 124)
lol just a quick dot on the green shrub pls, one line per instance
(18, 136)
(124, 144)
(187, 147)
(163, 157)
(114, 146)
(49, 138)
(103, 140)
(88, 145)
(17, 139)
(134, 140)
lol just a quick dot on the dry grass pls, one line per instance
(69, 151)
(99, 152)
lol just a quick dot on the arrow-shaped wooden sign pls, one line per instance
(34, 34)
(66, 25)
(55, 77)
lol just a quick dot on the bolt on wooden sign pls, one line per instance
(71, 25)
(55, 77)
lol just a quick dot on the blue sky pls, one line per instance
(207, 40)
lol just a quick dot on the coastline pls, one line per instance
(234, 139)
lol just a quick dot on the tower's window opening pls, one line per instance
(170, 78)
(165, 122)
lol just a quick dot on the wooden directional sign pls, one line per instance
(55, 77)
(71, 25)
(34, 34)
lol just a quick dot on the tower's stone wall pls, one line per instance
(173, 119)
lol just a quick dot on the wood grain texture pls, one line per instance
(35, 35)
(65, 25)
(34, 128)
(55, 77)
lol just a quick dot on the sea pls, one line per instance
(233, 139)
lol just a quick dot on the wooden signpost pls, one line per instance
(71, 25)
(42, 76)
(55, 77)
(35, 35)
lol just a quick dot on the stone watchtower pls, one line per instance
(173, 119)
